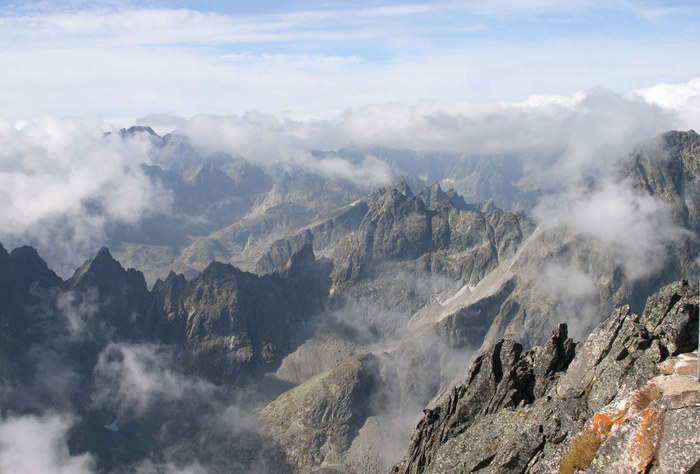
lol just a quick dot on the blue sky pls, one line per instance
(582, 81)
(317, 59)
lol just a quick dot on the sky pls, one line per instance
(316, 59)
(581, 81)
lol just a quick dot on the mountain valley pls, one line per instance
(277, 320)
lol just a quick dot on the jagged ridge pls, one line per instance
(515, 411)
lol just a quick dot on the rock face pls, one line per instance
(236, 323)
(121, 294)
(669, 170)
(232, 323)
(27, 292)
(317, 421)
(518, 412)
(435, 229)
(71, 346)
(458, 242)
(666, 170)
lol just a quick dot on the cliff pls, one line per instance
(599, 406)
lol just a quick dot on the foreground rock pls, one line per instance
(527, 412)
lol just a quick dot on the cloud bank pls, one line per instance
(131, 377)
(638, 228)
(63, 182)
(38, 444)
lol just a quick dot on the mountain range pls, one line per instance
(284, 321)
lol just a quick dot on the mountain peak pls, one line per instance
(302, 258)
(102, 270)
(433, 194)
(675, 136)
(25, 266)
(219, 271)
(403, 187)
(104, 253)
(133, 130)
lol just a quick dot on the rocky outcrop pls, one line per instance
(317, 421)
(445, 237)
(121, 296)
(235, 323)
(666, 170)
(518, 412)
(231, 323)
(435, 230)
(433, 194)
(468, 326)
(652, 429)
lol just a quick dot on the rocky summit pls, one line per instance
(625, 400)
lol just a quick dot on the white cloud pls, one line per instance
(585, 133)
(54, 166)
(671, 96)
(265, 139)
(683, 98)
(566, 282)
(596, 125)
(560, 139)
(574, 294)
(38, 445)
(129, 378)
(125, 60)
(78, 309)
(62, 181)
(638, 228)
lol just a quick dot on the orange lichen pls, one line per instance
(583, 447)
(602, 423)
(646, 439)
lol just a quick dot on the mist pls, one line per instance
(62, 181)
(638, 228)
(263, 237)
(168, 420)
(65, 183)
(38, 444)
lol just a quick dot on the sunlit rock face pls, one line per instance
(535, 411)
